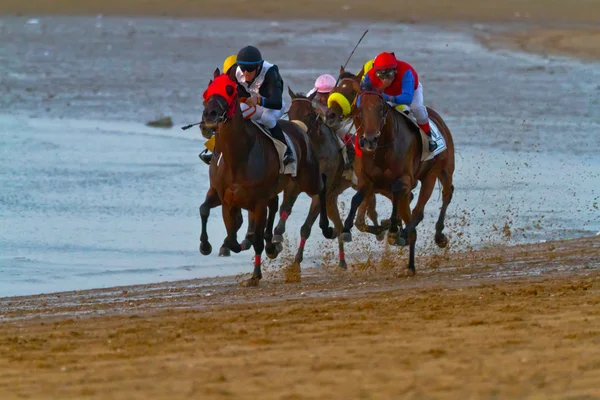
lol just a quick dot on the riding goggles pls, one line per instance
(385, 73)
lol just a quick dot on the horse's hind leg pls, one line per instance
(427, 186)
(447, 191)
(334, 214)
(260, 219)
(232, 223)
(313, 213)
(247, 242)
(211, 201)
(290, 195)
(272, 249)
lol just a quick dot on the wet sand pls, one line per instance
(509, 322)
(560, 27)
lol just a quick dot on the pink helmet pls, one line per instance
(325, 83)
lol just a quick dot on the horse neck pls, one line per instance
(234, 141)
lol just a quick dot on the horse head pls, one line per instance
(372, 111)
(220, 100)
(342, 98)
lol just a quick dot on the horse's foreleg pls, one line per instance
(393, 231)
(290, 195)
(272, 250)
(404, 198)
(334, 214)
(212, 200)
(313, 213)
(231, 217)
(447, 191)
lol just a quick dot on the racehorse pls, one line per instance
(391, 163)
(247, 176)
(332, 166)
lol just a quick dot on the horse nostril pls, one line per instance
(213, 114)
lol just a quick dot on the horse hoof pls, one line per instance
(343, 265)
(277, 238)
(224, 252)
(400, 241)
(205, 248)
(441, 240)
(386, 223)
(252, 282)
(273, 250)
(392, 238)
(329, 233)
(246, 244)
(347, 237)
(292, 274)
(411, 272)
(381, 235)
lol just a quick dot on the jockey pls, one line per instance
(259, 81)
(400, 85)
(229, 63)
(324, 85)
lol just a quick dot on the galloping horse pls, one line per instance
(212, 200)
(247, 173)
(332, 166)
(391, 162)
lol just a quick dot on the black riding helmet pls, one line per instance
(249, 58)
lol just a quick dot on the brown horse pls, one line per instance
(247, 176)
(332, 166)
(391, 162)
(212, 200)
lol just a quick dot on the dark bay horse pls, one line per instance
(332, 166)
(212, 200)
(392, 163)
(246, 176)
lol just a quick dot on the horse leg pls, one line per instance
(313, 213)
(290, 194)
(328, 231)
(447, 190)
(272, 249)
(404, 198)
(357, 199)
(224, 251)
(334, 214)
(393, 231)
(212, 200)
(260, 219)
(232, 223)
(247, 242)
(427, 186)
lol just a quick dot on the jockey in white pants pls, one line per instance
(259, 81)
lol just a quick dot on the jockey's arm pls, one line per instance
(408, 90)
(271, 91)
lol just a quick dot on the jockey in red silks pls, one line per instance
(400, 85)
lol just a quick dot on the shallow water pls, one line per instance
(93, 198)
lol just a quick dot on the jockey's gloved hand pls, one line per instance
(387, 97)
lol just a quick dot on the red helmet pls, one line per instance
(385, 61)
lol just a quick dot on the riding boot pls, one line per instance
(432, 143)
(206, 156)
(277, 133)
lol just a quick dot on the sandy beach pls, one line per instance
(501, 322)
(517, 322)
